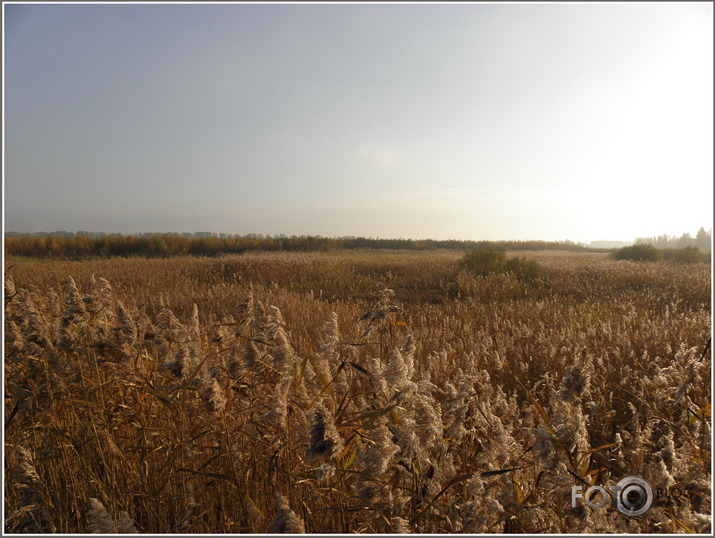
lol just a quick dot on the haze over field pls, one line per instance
(465, 121)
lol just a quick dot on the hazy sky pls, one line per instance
(465, 121)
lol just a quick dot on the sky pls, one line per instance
(492, 121)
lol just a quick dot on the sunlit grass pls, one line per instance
(273, 392)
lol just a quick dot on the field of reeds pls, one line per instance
(353, 392)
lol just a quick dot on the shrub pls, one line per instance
(489, 261)
(523, 269)
(484, 262)
(684, 255)
(638, 253)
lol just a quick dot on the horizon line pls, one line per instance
(349, 236)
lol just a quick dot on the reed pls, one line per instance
(355, 392)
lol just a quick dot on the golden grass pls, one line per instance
(273, 392)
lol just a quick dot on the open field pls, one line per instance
(351, 392)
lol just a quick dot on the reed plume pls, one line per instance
(286, 521)
(324, 437)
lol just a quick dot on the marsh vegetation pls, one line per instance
(353, 392)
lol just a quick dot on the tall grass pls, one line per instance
(352, 393)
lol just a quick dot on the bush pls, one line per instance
(638, 253)
(684, 255)
(484, 262)
(489, 261)
(523, 269)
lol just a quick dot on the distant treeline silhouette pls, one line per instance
(702, 240)
(85, 245)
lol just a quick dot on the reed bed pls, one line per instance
(355, 392)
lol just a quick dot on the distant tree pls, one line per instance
(702, 239)
(685, 240)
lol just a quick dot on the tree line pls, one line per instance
(81, 245)
(642, 252)
(702, 240)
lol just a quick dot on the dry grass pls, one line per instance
(352, 392)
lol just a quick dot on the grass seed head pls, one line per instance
(324, 437)
(286, 521)
(98, 519)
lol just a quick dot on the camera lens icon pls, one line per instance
(633, 496)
